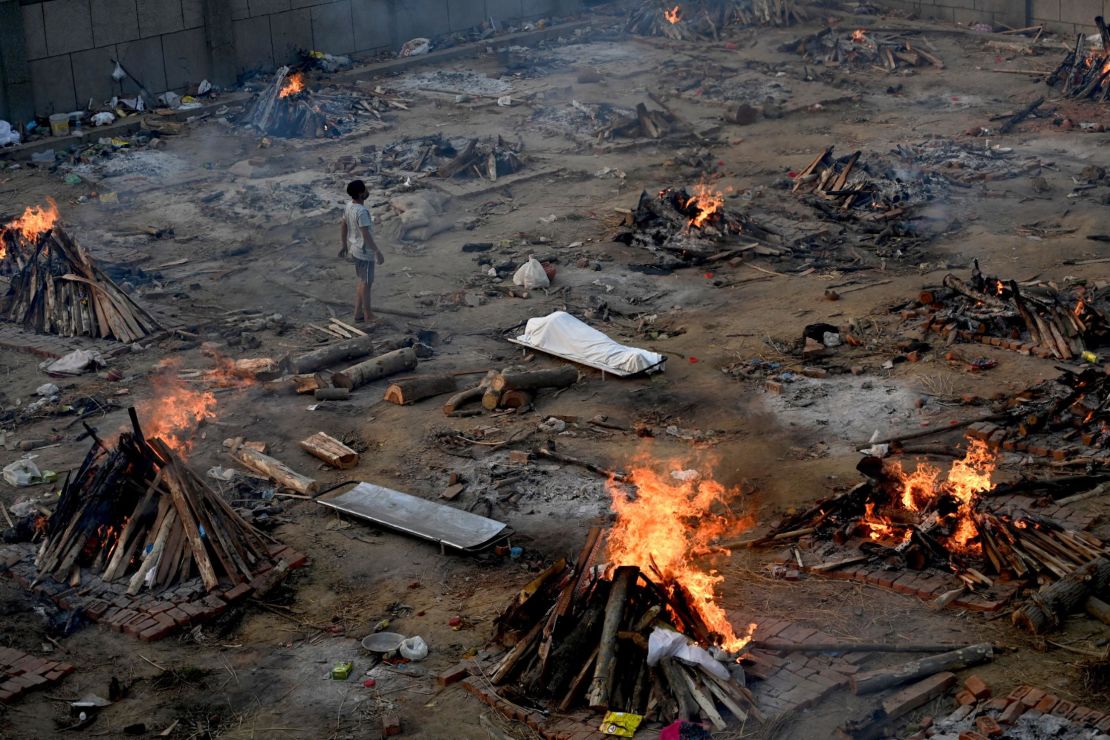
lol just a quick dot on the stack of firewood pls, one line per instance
(686, 20)
(488, 160)
(1086, 74)
(508, 389)
(645, 123)
(578, 637)
(836, 47)
(447, 158)
(57, 288)
(1062, 325)
(135, 511)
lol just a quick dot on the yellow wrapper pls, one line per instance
(621, 724)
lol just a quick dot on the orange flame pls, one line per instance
(878, 526)
(666, 526)
(176, 410)
(674, 15)
(967, 479)
(859, 36)
(34, 222)
(707, 202)
(1080, 306)
(999, 287)
(293, 85)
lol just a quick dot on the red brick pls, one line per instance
(391, 725)
(997, 704)
(295, 560)
(138, 624)
(1045, 705)
(237, 593)
(6, 696)
(179, 616)
(988, 726)
(96, 608)
(1103, 724)
(157, 607)
(1063, 708)
(978, 687)
(1011, 713)
(157, 631)
(454, 674)
(1093, 718)
(965, 698)
(214, 603)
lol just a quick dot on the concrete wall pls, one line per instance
(172, 44)
(1062, 16)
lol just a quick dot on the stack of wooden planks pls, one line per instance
(59, 289)
(135, 511)
(578, 636)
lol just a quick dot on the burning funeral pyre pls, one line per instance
(56, 287)
(926, 518)
(708, 19)
(1085, 74)
(1037, 319)
(134, 511)
(286, 108)
(834, 47)
(634, 625)
(692, 225)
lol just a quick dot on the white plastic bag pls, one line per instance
(103, 118)
(22, 473)
(7, 136)
(118, 74)
(415, 47)
(46, 390)
(531, 275)
(77, 362)
(414, 648)
(667, 644)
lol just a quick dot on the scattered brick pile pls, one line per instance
(147, 616)
(1025, 712)
(20, 673)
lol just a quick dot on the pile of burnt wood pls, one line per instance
(691, 226)
(846, 188)
(134, 511)
(57, 288)
(836, 47)
(1057, 414)
(449, 158)
(578, 636)
(1037, 318)
(707, 19)
(917, 521)
(1085, 74)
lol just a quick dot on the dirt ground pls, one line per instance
(269, 241)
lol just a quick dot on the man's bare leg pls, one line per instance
(364, 299)
(359, 304)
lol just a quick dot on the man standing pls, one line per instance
(359, 245)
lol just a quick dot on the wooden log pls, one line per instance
(703, 699)
(577, 682)
(1048, 607)
(869, 682)
(275, 470)
(601, 686)
(391, 363)
(333, 354)
(464, 159)
(687, 707)
(528, 380)
(516, 399)
(330, 450)
(153, 558)
(1020, 116)
(582, 637)
(558, 456)
(1098, 609)
(332, 394)
(410, 390)
(491, 399)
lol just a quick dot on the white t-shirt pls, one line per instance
(357, 216)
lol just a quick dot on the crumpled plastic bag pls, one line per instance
(531, 275)
(415, 47)
(46, 390)
(22, 473)
(414, 648)
(77, 362)
(667, 644)
(118, 74)
(7, 135)
(103, 118)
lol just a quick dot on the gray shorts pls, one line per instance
(365, 270)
